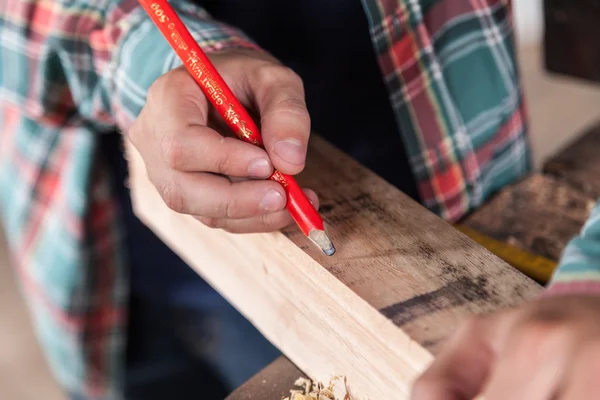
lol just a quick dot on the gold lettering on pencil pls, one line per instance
(159, 12)
(208, 85)
(199, 70)
(247, 133)
(231, 115)
(194, 63)
(178, 41)
(278, 177)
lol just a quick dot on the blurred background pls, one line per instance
(560, 109)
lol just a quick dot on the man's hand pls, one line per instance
(547, 350)
(206, 173)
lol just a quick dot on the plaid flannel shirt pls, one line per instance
(73, 69)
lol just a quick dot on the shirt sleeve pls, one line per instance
(578, 271)
(92, 62)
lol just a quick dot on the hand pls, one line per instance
(547, 350)
(208, 174)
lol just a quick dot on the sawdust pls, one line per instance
(336, 390)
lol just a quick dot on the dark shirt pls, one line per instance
(327, 43)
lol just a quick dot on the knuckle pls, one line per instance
(171, 150)
(272, 74)
(210, 222)
(294, 106)
(269, 222)
(228, 209)
(193, 100)
(171, 195)
(224, 162)
(290, 75)
(174, 78)
(155, 89)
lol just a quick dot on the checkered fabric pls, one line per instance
(73, 69)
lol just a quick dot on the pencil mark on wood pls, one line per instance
(430, 344)
(426, 250)
(336, 269)
(326, 208)
(289, 232)
(452, 295)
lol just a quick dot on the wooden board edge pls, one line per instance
(312, 317)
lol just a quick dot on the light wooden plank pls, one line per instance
(400, 283)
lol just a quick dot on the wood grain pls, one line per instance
(579, 163)
(401, 281)
(272, 383)
(539, 215)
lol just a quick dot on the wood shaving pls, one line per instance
(317, 391)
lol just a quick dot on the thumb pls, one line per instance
(285, 124)
(463, 366)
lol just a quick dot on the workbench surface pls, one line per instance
(272, 383)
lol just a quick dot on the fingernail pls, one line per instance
(260, 168)
(291, 150)
(272, 201)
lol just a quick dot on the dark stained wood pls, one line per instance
(272, 383)
(571, 38)
(539, 215)
(579, 163)
(376, 226)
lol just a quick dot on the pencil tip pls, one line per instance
(330, 250)
(321, 239)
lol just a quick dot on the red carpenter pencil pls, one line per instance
(234, 114)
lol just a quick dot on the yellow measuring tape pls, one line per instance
(535, 266)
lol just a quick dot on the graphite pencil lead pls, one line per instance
(321, 239)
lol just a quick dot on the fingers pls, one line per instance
(177, 136)
(262, 223)
(186, 160)
(278, 93)
(547, 350)
(213, 196)
(532, 363)
(198, 148)
(176, 101)
(461, 369)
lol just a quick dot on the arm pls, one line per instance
(94, 64)
(100, 68)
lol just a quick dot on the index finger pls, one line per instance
(285, 123)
